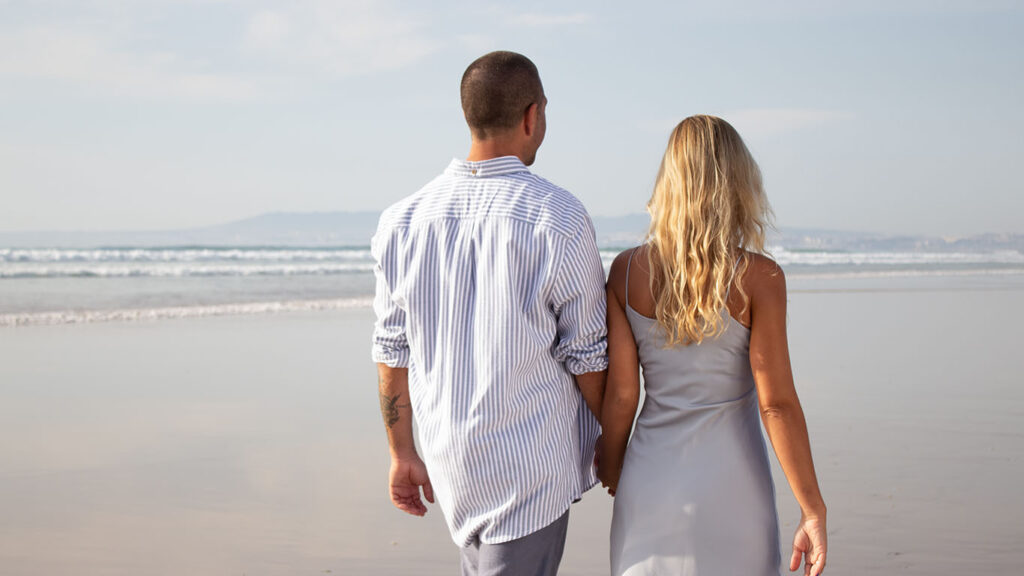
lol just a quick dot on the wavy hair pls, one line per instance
(708, 206)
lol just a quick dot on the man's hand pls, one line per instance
(407, 475)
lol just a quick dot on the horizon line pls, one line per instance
(222, 224)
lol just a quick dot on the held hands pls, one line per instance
(407, 475)
(811, 543)
(607, 472)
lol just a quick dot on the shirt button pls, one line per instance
(473, 172)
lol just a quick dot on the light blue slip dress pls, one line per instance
(696, 495)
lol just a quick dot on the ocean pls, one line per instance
(68, 286)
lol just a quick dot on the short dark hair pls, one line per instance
(496, 90)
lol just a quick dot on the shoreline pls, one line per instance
(799, 283)
(253, 444)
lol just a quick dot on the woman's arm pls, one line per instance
(780, 407)
(622, 391)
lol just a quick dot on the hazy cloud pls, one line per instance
(832, 8)
(341, 38)
(478, 43)
(111, 47)
(760, 122)
(96, 64)
(267, 28)
(539, 20)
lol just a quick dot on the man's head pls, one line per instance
(503, 100)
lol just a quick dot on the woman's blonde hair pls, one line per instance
(708, 206)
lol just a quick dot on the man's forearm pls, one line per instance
(396, 409)
(591, 385)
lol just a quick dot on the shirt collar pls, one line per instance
(485, 168)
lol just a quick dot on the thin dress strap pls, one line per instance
(735, 267)
(628, 265)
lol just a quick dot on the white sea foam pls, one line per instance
(205, 262)
(144, 314)
(806, 274)
(178, 269)
(835, 258)
(49, 255)
(180, 262)
(789, 257)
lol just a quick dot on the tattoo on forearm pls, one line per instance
(389, 409)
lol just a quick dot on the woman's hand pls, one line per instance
(810, 543)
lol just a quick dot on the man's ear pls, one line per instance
(530, 119)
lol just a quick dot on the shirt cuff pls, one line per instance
(577, 366)
(393, 357)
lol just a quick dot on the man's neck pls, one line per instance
(480, 150)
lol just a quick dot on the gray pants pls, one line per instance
(536, 554)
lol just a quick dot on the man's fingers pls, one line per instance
(406, 481)
(411, 505)
(415, 510)
(407, 499)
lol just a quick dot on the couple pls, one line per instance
(495, 329)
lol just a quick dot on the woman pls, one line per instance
(703, 312)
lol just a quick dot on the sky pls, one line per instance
(897, 116)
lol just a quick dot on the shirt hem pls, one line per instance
(520, 533)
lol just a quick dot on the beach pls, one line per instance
(252, 444)
(204, 199)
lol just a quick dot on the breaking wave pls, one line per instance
(176, 312)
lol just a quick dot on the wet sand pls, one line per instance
(253, 445)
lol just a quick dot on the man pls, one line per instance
(489, 300)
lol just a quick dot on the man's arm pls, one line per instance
(591, 385)
(408, 473)
(579, 305)
(391, 353)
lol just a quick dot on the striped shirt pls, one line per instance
(490, 290)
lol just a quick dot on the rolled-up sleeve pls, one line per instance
(578, 300)
(390, 345)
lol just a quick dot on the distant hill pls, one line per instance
(272, 229)
(356, 228)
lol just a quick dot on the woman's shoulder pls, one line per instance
(763, 277)
(621, 261)
(620, 266)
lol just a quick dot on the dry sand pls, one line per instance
(253, 445)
